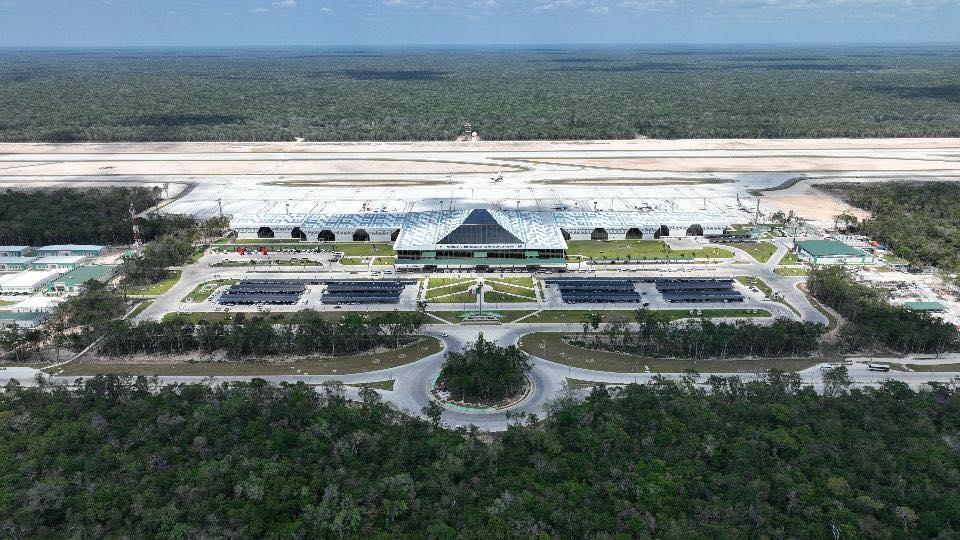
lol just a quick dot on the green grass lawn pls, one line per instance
(765, 289)
(831, 320)
(139, 309)
(508, 315)
(360, 249)
(377, 261)
(378, 385)
(788, 271)
(576, 316)
(450, 289)
(500, 298)
(436, 282)
(638, 250)
(203, 291)
(517, 281)
(349, 249)
(457, 298)
(789, 258)
(761, 251)
(502, 288)
(7, 302)
(341, 365)
(195, 256)
(550, 346)
(213, 316)
(153, 290)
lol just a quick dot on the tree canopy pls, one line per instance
(873, 320)
(484, 371)
(122, 457)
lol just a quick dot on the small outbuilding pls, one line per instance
(932, 307)
(59, 262)
(14, 251)
(69, 250)
(15, 263)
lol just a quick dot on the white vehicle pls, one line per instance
(878, 367)
(828, 367)
(444, 334)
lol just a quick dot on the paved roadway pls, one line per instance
(413, 382)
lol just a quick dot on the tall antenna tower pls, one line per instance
(135, 229)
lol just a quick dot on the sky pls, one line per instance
(224, 23)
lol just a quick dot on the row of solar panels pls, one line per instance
(284, 288)
(339, 299)
(229, 298)
(693, 286)
(364, 291)
(675, 297)
(594, 297)
(698, 290)
(658, 281)
(362, 287)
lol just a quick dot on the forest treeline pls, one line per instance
(919, 220)
(770, 459)
(101, 216)
(307, 333)
(98, 216)
(524, 93)
(872, 319)
(698, 339)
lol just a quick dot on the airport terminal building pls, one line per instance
(480, 237)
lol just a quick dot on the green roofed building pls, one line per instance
(925, 306)
(831, 252)
(73, 280)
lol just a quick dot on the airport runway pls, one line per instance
(397, 177)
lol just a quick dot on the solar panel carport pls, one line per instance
(702, 296)
(258, 298)
(364, 291)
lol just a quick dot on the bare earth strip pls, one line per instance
(241, 167)
(489, 146)
(757, 164)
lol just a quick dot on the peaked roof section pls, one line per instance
(480, 227)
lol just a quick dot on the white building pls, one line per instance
(27, 282)
(387, 226)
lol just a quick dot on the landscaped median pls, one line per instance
(639, 250)
(339, 365)
(552, 346)
(202, 292)
(761, 251)
(153, 290)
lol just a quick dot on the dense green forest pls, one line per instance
(655, 336)
(872, 319)
(122, 458)
(307, 334)
(527, 93)
(919, 220)
(485, 372)
(81, 216)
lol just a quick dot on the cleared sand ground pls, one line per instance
(491, 146)
(757, 164)
(240, 167)
(805, 200)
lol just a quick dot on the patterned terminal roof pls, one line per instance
(424, 230)
(534, 230)
(589, 220)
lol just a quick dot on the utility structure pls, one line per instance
(135, 229)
